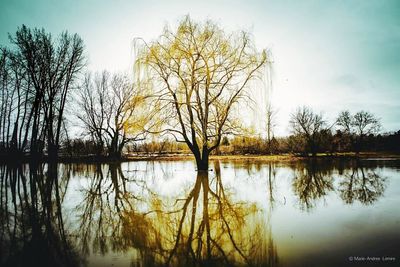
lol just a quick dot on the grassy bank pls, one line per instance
(176, 157)
(269, 158)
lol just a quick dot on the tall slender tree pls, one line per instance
(52, 66)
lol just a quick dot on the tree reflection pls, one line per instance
(210, 228)
(201, 223)
(109, 216)
(204, 241)
(205, 227)
(313, 181)
(361, 184)
(357, 182)
(101, 212)
(32, 225)
(271, 184)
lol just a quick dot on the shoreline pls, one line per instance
(178, 157)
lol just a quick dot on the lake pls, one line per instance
(164, 213)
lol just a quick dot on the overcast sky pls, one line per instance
(329, 55)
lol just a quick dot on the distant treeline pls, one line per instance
(328, 142)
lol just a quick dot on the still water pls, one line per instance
(164, 213)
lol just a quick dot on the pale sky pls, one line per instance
(329, 55)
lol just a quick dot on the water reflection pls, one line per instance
(203, 227)
(203, 221)
(271, 184)
(361, 184)
(312, 182)
(105, 199)
(211, 228)
(32, 224)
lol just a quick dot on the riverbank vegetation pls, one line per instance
(182, 99)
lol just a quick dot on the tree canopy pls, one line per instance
(199, 74)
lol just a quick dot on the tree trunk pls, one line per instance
(115, 152)
(202, 161)
(52, 152)
(359, 144)
(313, 148)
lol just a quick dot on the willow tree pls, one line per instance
(200, 74)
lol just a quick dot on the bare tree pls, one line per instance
(4, 98)
(200, 74)
(15, 104)
(365, 123)
(358, 126)
(344, 121)
(51, 67)
(304, 122)
(91, 101)
(113, 111)
(270, 125)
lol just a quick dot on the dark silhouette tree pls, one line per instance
(15, 105)
(37, 77)
(307, 124)
(358, 126)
